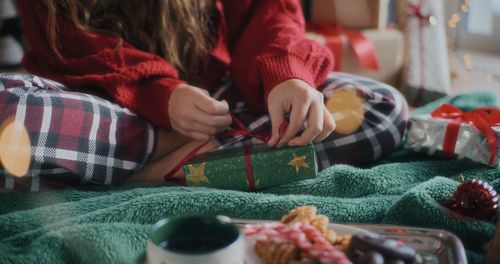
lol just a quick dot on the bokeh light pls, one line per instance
(15, 148)
(464, 8)
(468, 62)
(347, 110)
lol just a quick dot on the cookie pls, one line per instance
(308, 215)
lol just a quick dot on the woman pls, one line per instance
(165, 61)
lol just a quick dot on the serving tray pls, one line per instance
(434, 245)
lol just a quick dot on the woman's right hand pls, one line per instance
(194, 113)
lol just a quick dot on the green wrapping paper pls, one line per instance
(227, 169)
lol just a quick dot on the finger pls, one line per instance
(187, 126)
(219, 121)
(328, 126)
(314, 126)
(198, 136)
(205, 92)
(276, 114)
(297, 118)
(193, 135)
(204, 129)
(212, 106)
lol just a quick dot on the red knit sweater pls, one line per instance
(260, 42)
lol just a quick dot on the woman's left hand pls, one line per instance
(302, 102)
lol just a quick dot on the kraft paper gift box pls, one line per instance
(426, 75)
(357, 14)
(389, 49)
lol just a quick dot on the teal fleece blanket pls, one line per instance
(103, 225)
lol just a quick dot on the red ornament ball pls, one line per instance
(476, 199)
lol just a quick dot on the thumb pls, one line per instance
(277, 115)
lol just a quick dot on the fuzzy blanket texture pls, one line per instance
(111, 225)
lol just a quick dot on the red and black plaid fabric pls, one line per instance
(382, 129)
(75, 137)
(79, 139)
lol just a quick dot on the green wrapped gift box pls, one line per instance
(250, 168)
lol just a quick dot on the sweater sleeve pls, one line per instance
(268, 46)
(97, 63)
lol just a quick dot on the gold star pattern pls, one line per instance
(298, 162)
(196, 175)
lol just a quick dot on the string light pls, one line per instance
(453, 23)
(464, 8)
(456, 17)
(469, 64)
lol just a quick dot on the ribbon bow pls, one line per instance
(415, 10)
(483, 119)
(363, 48)
(240, 130)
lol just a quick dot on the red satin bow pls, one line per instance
(415, 10)
(482, 119)
(240, 130)
(363, 48)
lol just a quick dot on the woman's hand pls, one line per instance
(303, 103)
(194, 113)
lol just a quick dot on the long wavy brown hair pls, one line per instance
(181, 31)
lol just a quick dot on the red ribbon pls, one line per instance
(363, 47)
(240, 130)
(482, 119)
(415, 10)
(170, 175)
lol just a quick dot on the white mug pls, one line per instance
(196, 240)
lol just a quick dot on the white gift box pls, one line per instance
(426, 75)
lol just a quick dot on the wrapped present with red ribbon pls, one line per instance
(426, 71)
(251, 167)
(457, 134)
(376, 54)
(247, 167)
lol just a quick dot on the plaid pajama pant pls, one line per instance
(79, 138)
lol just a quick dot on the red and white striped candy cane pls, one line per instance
(304, 236)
